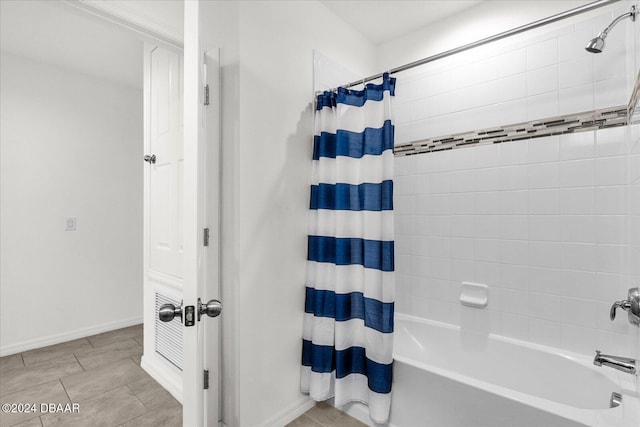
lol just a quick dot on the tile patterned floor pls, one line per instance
(323, 415)
(100, 373)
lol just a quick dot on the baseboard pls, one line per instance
(67, 336)
(291, 412)
(162, 373)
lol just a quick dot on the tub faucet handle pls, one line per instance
(631, 305)
(625, 305)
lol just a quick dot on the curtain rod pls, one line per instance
(569, 13)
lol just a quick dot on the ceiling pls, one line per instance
(372, 18)
(69, 38)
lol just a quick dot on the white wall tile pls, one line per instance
(612, 229)
(574, 146)
(571, 46)
(578, 228)
(512, 87)
(611, 67)
(611, 200)
(463, 270)
(514, 252)
(577, 72)
(513, 178)
(515, 276)
(514, 153)
(612, 259)
(462, 248)
(610, 93)
(514, 202)
(545, 306)
(545, 149)
(611, 170)
(487, 226)
(543, 175)
(546, 280)
(462, 181)
(487, 179)
(544, 227)
(514, 302)
(506, 113)
(576, 99)
(580, 284)
(462, 225)
(577, 201)
(542, 80)
(579, 256)
(578, 173)
(513, 62)
(486, 156)
(542, 54)
(514, 325)
(514, 227)
(461, 159)
(545, 254)
(542, 106)
(486, 202)
(462, 203)
(577, 338)
(579, 312)
(544, 201)
(487, 250)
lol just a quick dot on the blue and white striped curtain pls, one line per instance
(347, 350)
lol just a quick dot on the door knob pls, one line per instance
(211, 308)
(150, 159)
(168, 312)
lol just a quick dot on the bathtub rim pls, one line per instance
(626, 386)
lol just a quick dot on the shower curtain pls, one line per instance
(347, 349)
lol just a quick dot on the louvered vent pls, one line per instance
(169, 334)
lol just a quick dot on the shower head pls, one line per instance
(596, 45)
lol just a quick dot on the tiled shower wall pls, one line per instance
(542, 222)
(551, 225)
(534, 75)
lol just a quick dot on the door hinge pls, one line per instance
(205, 239)
(206, 95)
(206, 379)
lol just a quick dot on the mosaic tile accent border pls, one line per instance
(580, 122)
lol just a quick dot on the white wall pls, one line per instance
(543, 222)
(267, 142)
(71, 146)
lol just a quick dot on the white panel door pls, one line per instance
(163, 212)
(166, 193)
(201, 210)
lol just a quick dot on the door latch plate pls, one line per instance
(189, 315)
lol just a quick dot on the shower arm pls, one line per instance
(631, 14)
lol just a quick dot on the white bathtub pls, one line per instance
(445, 376)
